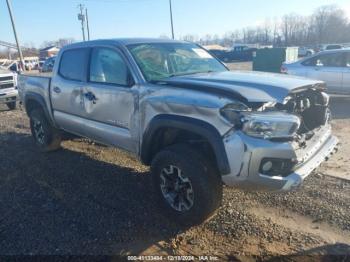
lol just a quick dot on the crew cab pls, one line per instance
(8, 88)
(184, 114)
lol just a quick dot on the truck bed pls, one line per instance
(31, 85)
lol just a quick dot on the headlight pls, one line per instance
(270, 124)
(232, 112)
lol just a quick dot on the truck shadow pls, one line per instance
(65, 202)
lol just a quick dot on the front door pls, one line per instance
(110, 100)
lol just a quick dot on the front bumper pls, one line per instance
(246, 153)
(8, 95)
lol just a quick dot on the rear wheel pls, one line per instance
(187, 185)
(11, 105)
(46, 137)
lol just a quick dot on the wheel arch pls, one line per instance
(32, 101)
(150, 141)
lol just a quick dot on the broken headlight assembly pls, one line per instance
(267, 125)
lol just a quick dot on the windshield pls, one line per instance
(162, 60)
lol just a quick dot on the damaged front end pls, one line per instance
(283, 142)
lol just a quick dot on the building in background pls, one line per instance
(49, 51)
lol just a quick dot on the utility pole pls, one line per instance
(87, 23)
(171, 20)
(81, 17)
(15, 33)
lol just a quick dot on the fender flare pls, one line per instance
(40, 100)
(197, 126)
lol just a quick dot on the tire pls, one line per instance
(11, 105)
(202, 184)
(46, 137)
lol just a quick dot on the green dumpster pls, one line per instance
(271, 59)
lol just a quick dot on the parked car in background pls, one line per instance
(13, 67)
(240, 53)
(182, 112)
(39, 65)
(305, 51)
(332, 66)
(220, 54)
(29, 65)
(329, 47)
(48, 65)
(8, 88)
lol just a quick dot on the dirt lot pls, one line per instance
(90, 199)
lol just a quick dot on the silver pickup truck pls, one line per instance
(8, 88)
(182, 112)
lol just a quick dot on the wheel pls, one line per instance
(11, 105)
(188, 186)
(46, 137)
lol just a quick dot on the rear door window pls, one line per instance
(327, 60)
(73, 64)
(331, 60)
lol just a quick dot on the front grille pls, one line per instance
(9, 85)
(6, 78)
(312, 108)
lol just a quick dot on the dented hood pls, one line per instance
(246, 86)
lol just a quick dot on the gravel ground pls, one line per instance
(91, 199)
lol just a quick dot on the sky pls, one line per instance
(41, 20)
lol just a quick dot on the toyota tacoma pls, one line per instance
(183, 113)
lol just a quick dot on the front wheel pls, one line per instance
(46, 137)
(187, 185)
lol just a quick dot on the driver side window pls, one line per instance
(107, 66)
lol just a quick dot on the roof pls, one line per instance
(122, 42)
(334, 50)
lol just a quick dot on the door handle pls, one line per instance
(57, 90)
(91, 97)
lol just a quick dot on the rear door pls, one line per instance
(110, 100)
(66, 90)
(329, 68)
(346, 74)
